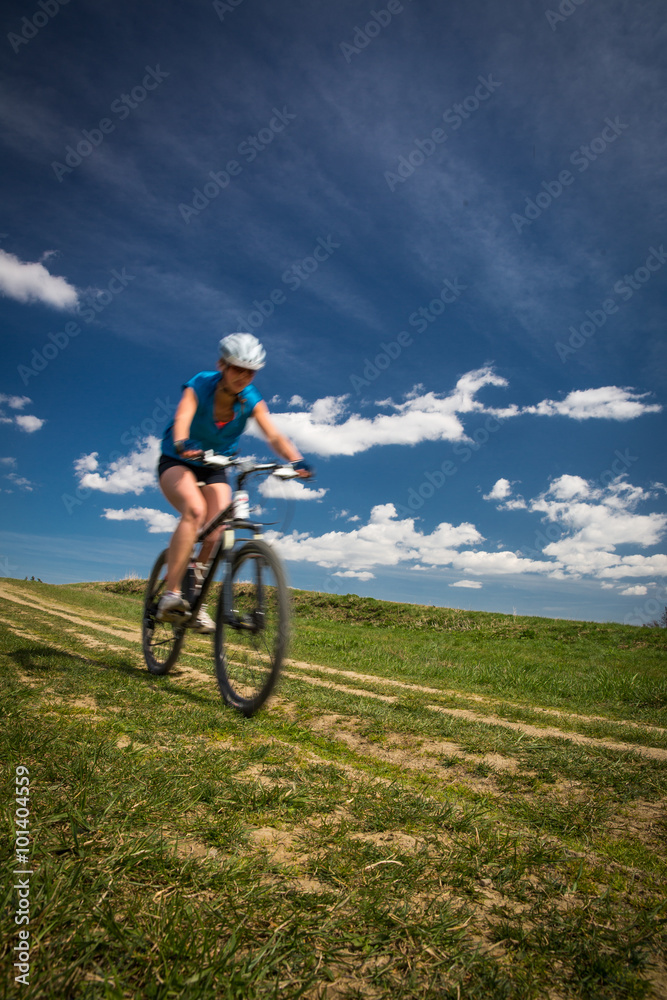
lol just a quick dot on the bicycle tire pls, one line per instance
(161, 641)
(249, 651)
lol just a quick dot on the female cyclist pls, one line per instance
(213, 411)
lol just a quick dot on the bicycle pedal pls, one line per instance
(240, 624)
(173, 617)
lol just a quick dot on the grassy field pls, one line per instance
(436, 803)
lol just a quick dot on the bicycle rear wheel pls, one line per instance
(161, 641)
(251, 642)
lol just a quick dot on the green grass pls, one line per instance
(337, 844)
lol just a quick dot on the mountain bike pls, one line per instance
(252, 621)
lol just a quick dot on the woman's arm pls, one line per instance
(183, 419)
(280, 444)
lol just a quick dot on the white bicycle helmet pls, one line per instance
(242, 349)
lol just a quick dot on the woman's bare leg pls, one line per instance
(217, 497)
(180, 488)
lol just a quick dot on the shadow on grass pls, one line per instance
(43, 660)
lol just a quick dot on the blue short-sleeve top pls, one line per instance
(204, 432)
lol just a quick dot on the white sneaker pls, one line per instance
(204, 623)
(172, 607)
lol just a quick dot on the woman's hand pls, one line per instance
(183, 451)
(304, 470)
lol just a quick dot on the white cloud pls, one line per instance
(20, 481)
(294, 401)
(158, 521)
(336, 514)
(595, 521)
(518, 503)
(28, 423)
(501, 492)
(15, 402)
(567, 487)
(327, 427)
(31, 282)
(87, 463)
(635, 566)
(383, 541)
(288, 489)
(609, 402)
(354, 574)
(501, 489)
(131, 473)
(25, 422)
(503, 563)
(637, 591)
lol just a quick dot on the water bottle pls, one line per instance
(241, 505)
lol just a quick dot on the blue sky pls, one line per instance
(445, 222)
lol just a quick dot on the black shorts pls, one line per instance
(202, 473)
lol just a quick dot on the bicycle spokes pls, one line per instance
(250, 647)
(161, 641)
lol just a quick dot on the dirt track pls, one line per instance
(323, 676)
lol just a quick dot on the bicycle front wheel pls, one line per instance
(251, 641)
(161, 641)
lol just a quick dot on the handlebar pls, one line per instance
(246, 468)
